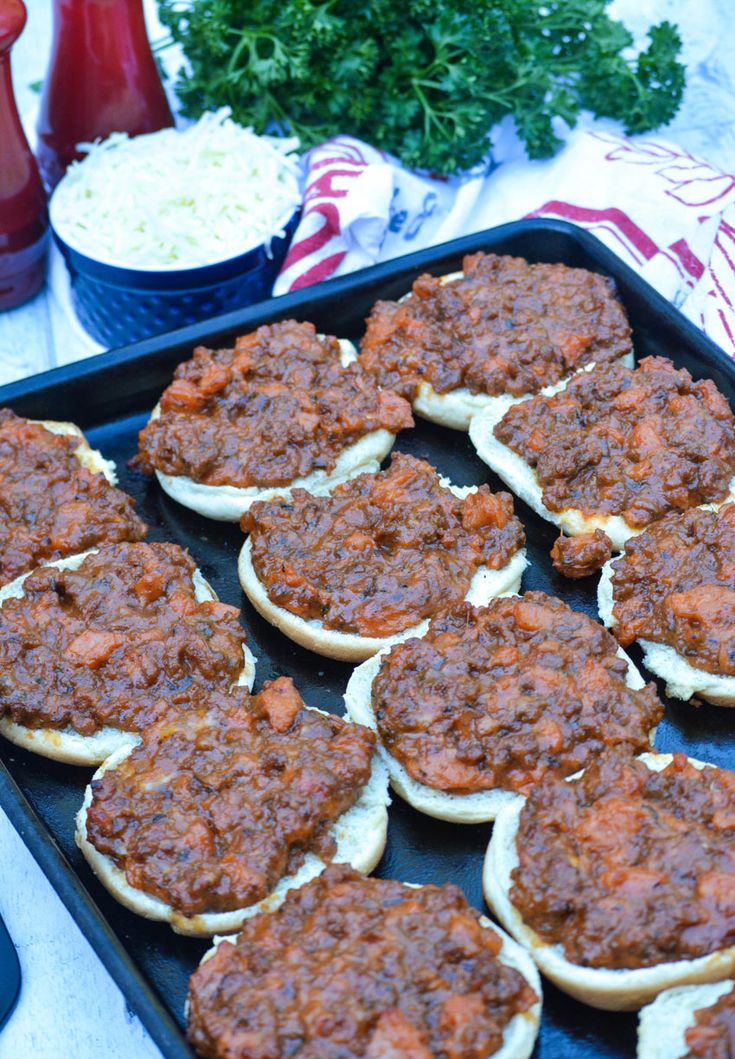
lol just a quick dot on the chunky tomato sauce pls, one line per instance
(637, 443)
(382, 551)
(581, 556)
(500, 696)
(505, 326)
(350, 967)
(118, 642)
(277, 407)
(628, 868)
(50, 505)
(220, 802)
(676, 585)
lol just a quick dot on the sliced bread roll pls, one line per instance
(610, 990)
(663, 1024)
(68, 745)
(396, 532)
(359, 835)
(624, 443)
(476, 808)
(685, 558)
(392, 1035)
(538, 300)
(228, 503)
(90, 458)
(522, 479)
(486, 584)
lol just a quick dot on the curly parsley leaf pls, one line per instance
(422, 80)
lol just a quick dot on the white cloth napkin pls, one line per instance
(668, 214)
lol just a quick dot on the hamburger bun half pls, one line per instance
(610, 990)
(359, 833)
(476, 808)
(67, 745)
(227, 503)
(662, 1024)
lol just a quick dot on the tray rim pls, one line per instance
(137, 991)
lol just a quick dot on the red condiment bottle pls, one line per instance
(23, 215)
(102, 78)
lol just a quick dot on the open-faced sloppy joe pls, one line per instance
(349, 967)
(51, 504)
(117, 641)
(675, 585)
(499, 696)
(216, 805)
(382, 551)
(504, 327)
(277, 407)
(627, 867)
(713, 1034)
(638, 444)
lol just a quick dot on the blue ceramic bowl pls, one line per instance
(121, 305)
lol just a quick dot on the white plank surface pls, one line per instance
(69, 1006)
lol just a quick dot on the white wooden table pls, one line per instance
(69, 1007)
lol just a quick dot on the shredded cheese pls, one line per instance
(178, 199)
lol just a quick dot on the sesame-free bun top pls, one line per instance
(286, 408)
(349, 573)
(96, 647)
(673, 591)
(500, 328)
(494, 698)
(615, 449)
(57, 495)
(632, 864)
(259, 791)
(368, 967)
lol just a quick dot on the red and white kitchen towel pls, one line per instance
(669, 215)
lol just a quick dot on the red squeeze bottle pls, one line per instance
(102, 78)
(23, 215)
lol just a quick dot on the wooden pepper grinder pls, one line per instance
(102, 78)
(23, 214)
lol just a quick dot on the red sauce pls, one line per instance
(350, 967)
(504, 327)
(277, 407)
(50, 505)
(119, 642)
(581, 556)
(220, 802)
(382, 551)
(628, 868)
(500, 696)
(713, 1035)
(637, 443)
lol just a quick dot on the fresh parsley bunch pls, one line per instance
(423, 79)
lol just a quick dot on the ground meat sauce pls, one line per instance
(713, 1035)
(581, 556)
(676, 585)
(117, 642)
(50, 505)
(278, 406)
(382, 551)
(505, 327)
(351, 967)
(219, 803)
(628, 868)
(633, 443)
(499, 696)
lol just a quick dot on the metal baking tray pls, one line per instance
(110, 397)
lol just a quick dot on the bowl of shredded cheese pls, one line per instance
(172, 227)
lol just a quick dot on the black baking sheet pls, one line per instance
(110, 396)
